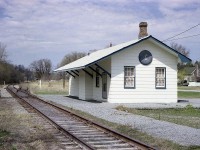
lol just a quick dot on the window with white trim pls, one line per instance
(160, 77)
(129, 77)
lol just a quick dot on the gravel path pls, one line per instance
(4, 93)
(17, 108)
(182, 135)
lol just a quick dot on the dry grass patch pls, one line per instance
(19, 131)
(47, 87)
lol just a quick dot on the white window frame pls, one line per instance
(160, 78)
(129, 77)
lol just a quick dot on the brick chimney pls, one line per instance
(143, 30)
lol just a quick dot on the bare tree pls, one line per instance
(180, 48)
(41, 68)
(3, 53)
(68, 59)
(71, 57)
(77, 55)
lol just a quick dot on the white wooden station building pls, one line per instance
(138, 71)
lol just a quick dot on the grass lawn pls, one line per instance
(134, 133)
(188, 87)
(19, 131)
(185, 94)
(188, 94)
(51, 87)
(188, 116)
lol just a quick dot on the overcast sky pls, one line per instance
(35, 29)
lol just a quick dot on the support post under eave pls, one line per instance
(88, 73)
(64, 77)
(103, 70)
(71, 74)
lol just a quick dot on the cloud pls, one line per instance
(52, 29)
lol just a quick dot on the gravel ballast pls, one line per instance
(182, 135)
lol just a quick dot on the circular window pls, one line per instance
(145, 57)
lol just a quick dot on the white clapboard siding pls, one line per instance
(97, 91)
(88, 86)
(82, 85)
(85, 86)
(74, 86)
(145, 90)
(143, 96)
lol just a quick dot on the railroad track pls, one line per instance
(88, 134)
(64, 142)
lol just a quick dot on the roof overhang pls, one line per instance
(70, 69)
(181, 57)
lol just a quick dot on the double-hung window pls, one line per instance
(129, 77)
(160, 80)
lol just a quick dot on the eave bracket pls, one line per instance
(88, 73)
(103, 70)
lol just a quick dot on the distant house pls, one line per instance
(138, 71)
(189, 73)
(192, 75)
